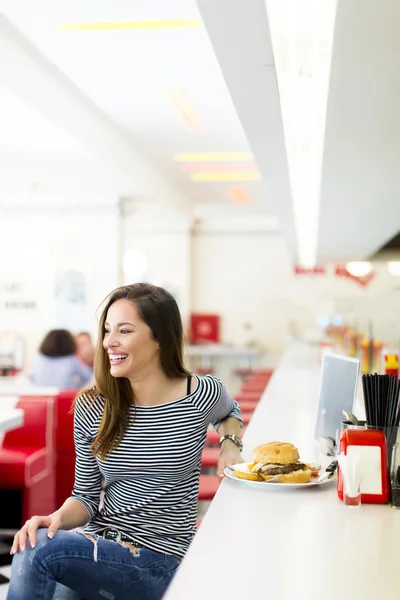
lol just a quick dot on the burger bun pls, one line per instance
(281, 453)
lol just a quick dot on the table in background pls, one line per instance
(10, 419)
(206, 352)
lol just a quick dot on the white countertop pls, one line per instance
(10, 419)
(290, 544)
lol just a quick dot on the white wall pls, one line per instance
(238, 268)
(35, 249)
(163, 237)
(247, 277)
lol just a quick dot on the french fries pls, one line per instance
(249, 476)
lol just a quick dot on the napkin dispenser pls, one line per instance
(371, 447)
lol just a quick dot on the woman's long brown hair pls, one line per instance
(159, 310)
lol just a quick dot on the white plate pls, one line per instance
(266, 484)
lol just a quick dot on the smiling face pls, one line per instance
(128, 341)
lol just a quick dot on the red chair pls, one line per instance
(65, 448)
(27, 457)
(208, 487)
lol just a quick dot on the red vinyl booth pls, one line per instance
(27, 457)
(65, 449)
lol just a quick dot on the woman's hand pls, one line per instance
(230, 455)
(53, 522)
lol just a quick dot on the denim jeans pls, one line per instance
(72, 567)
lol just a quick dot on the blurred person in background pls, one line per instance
(85, 348)
(57, 364)
(139, 434)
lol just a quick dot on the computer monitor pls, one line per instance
(338, 389)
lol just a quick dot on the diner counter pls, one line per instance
(282, 543)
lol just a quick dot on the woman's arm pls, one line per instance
(226, 418)
(88, 478)
(72, 514)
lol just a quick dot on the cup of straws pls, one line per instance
(381, 400)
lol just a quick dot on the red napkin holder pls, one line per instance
(371, 446)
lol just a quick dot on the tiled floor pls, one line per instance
(5, 571)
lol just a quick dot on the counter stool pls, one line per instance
(213, 437)
(246, 417)
(208, 487)
(205, 371)
(252, 396)
(210, 457)
(257, 387)
(248, 405)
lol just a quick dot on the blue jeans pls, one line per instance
(68, 568)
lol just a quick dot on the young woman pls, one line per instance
(139, 434)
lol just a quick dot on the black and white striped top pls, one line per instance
(151, 479)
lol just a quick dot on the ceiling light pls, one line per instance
(212, 156)
(238, 195)
(225, 177)
(393, 267)
(302, 37)
(184, 109)
(128, 25)
(219, 167)
(359, 268)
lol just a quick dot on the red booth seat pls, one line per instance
(27, 457)
(65, 448)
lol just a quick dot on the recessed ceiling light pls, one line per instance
(129, 25)
(213, 156)
(218, 167)
(393, 267)
(225, 176)
(359, 268)
(238, 195)
(186, 112)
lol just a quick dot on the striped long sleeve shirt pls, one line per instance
(151, 479)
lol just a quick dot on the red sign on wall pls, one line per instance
(341, 271)
(205, 329)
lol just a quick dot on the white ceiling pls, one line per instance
(131, 75)
(91, 111)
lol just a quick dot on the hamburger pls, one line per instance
(276, 458)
